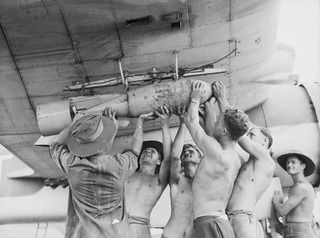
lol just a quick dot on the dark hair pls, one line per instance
(157, 146)
(237, 122)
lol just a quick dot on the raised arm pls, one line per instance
(253, 148)
(219, 92)
(203, 141)
(175, 167)
(137, 138)
(297, 194)
(210, 116)
(164, 114)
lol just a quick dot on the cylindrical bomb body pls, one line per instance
(52, 117)
(171, 94)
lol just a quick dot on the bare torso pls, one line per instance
(304, 211)
(180, 221)
(253, 179)
(142, 193)
(213, 183)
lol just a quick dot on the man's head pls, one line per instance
(91, 134)
(295, 163)
(233, 122)
(261, 136)
(190, 159)
(151, 155)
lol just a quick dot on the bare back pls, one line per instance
(180, 221)
(253, 179)
(214, 181)
(303, 212)
(142, 193)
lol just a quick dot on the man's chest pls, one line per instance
(142, 184)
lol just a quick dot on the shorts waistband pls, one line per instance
(138, 220)
(205, 218)
(240, 212)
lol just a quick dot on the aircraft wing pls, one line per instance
(47, 45)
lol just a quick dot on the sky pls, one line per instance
(299, 27)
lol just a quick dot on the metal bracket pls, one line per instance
(176, 75)
(124, 79)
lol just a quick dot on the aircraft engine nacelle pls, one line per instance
(53, 117)
(291, 114)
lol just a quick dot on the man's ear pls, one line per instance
(225, 131)
(158, 162)
(304, 166)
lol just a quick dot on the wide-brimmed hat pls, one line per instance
(91, 134)
(310, 166)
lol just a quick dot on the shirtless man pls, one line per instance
(253, 179)
(182, 170)
(298, 208)
(144, 187)
(214, 179)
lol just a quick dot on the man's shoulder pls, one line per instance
(57, 151)
(265, 160)
(303, 187)
(224, 158)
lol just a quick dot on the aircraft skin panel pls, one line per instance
(36, 157)
(153, 43)
(16, 116)
(4, 54)
(43, 73)
(241, 8)
(42, 79)
(44, 59)
(266, 19)
(16, 113)
(18, 128)
(208, 12)
(158, 35)
(203, 55)
(93, 29)
(32, 34)
(56, 43)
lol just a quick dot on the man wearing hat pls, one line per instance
(145, 186)
(96, 179)
(298, 208)
(185, 159)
